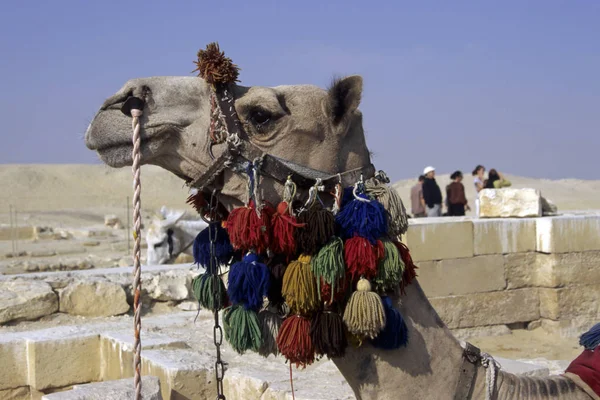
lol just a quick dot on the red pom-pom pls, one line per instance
(284, 224)
(294, 341)
(360, 258)
(247, 231)
(410, 272)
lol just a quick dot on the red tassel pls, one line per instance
(294, 341)
(339, 294)
(247, 231)
(283, 224)
(360, 258)
(379, 251)
(410, 272)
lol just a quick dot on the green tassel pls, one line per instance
(242, 329)
(389, 269)
(202, 288)
(329, 265)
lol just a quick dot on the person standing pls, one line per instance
(416, 199)
(496, 180)
(455, 195)
(478, 173)
(432, 195)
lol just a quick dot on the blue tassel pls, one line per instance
(395, 333)
(248, 282)
(201, 248)
(591, 339)
(362, 218)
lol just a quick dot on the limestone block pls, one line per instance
(462, 275)
(28, 300)
(94, 299)
(112, 221)
(566, 269)
(18, 232)
(170, 285)
(116, 351)
(521, 270)
(242, 385)
(492, 330)
(569, 328)
(503, 236)
(509, 202)
(20, 393)
(123, 389)
(184, 374)
(571, 302)
(494, 308)
(13, 359)
(439, 239)
(61, 357)
(568, 233)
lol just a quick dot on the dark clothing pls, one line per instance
(431, 192)
(456, 210)
(456, 193)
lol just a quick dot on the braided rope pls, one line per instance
(137, 270)
(492, 366)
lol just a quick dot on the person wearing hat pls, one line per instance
(432, 193)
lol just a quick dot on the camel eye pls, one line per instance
(260, 117)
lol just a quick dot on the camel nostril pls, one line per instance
(132, 102)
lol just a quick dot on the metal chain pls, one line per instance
(137, 221)
(214, 270)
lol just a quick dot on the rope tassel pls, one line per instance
(242, 329)
(328, 265)
(410, 268)
(249, 231)
(201, 247)
(364, 314)
(360, 257)
(294, 341)
(203, 290)
(395, 333)
(300, 287)
(248, 282)
(328, 334)
(362, 217)
(389, 269)
(320, 227)
(397, 220)
(284, 226)
(270, 323)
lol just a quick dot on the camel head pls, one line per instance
(307, 125)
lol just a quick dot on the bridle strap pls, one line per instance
(240, 151)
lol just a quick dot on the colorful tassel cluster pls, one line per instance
(310, 282)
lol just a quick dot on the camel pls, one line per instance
(170, 236)
(321, 129)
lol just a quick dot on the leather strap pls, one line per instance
(468, 372)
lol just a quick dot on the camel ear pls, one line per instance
(344, 97)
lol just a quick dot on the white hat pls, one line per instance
(428, 170)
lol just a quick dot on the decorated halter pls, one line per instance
(306, 278)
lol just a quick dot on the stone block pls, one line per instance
(439, 239)
(19, 393)
(571, 302)
(503, 236)
(567, 269)
(521, 270)
(122, 389)
(26, 300)
(481, 331)
(184, 374)
(13, 359)
(568, 233)
(509, 202)
(171, 285)
(94, 299)
(462, 275)
(17, 232)
(493, 308)
(116, 351)
(61, 357)
(242, 385)
(569, 328)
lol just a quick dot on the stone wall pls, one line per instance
(510, 273)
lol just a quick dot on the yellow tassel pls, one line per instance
(300, 287)
(364, 314)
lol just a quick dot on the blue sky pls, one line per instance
(513, 85)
